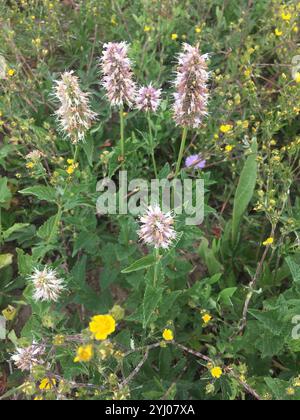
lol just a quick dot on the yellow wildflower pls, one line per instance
(102, 326)
(287, 16)
(47, 384)
(174, 37)
(84, 353)
(268, 241)
(297, 77)
(29, 165)
(70, 170)
(278, 32)
(11, 72)
(228, 148)
(168, 335)
(290, 391)
(147, 28)
(225, 128)
(216, 372)
(206, 318)
(198, 30)
(70, 161)
(39, 398)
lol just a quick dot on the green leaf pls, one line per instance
(295, 269)
(5, 260)
(152, 297)
(244, 191)
(49, 230)
(41, 192)
(141, 264)
(25, 262)
(5, 193)
(88, 147)
(226, 295)
(15, 228)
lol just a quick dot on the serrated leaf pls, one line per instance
(141, 264)
(41, 192)
(295, 269)
(48, 231)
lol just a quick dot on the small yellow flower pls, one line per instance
(29, 165)
(290, 391)
(268, 241)
(70, 161)
(70, 170)
(59, 340)
(47, 384)
(147, 28)
(216, 372)
(102, 326)
(198, 30)
(225, 128)
(39, 398)
(247, 72)
(286, 16)
(11, 72)
(174, 37)
(168, 335)
(297, 77)
(206, 318)
(228, 148)
(278, 32)
(84, 353)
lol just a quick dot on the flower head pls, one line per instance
(216, 372)
(268, 241)
(47, 285)
(84, 353)
(195, 161)
(191, 95)
(168, 335)
(28, 357)
(157, 228)
(148, 98)
(117, 74)
(206, 318)
(102, 326)
(74, 115)
(47, 384)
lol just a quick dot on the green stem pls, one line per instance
(76, 153)
(157, 256)
(152, 146)
(181, 152)
(122, 137)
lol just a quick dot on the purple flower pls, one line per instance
(157, 228)
(190, 106)
(195, 161)
(148, 98)
(117, 74)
